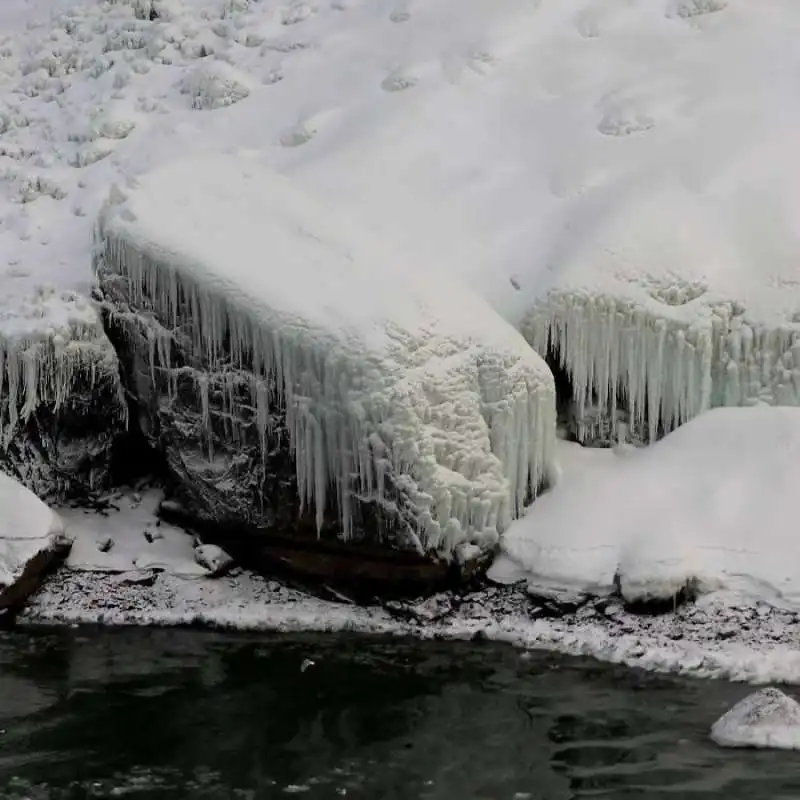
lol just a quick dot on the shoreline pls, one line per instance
(719, 637)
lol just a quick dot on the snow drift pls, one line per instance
(710, 505)
(390, 381)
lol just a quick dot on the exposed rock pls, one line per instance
(765, 719)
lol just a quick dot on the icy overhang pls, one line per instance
(381, 369)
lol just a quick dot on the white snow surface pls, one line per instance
(617, 176)
(765, 719)
(128, 538)
(27, 528)
(711, 505)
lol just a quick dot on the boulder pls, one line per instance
(765, 719)
(307, 394)
(32, 540)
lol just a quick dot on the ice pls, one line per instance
(765, 719)
(709, 507)
(382, 370)
(27, 528)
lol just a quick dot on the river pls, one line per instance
(192, 714)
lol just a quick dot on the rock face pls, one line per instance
(764, 719)
(58, 425)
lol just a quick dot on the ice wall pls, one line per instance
(386, 377)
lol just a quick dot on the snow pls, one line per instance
(382, 371)
(767, 718)
(616, 178)
(709, 507)
(128, 538)
(27, 528)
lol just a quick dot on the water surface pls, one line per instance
(173, 714)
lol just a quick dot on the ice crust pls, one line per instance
(381, 372)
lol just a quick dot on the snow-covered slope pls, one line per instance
(616, 177)
(383, 372)
(712, 504)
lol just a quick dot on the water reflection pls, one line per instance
(157, 714)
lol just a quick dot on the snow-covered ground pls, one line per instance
(711, 507)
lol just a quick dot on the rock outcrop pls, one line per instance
(318, 399)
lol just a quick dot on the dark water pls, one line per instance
(174, 714)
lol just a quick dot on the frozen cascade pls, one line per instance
(666, 366)
(40, 367)
(391, 383)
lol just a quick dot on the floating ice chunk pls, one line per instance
(765, 719)
(392, 380)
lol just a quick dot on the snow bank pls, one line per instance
(383, 372)
(709, 505)
(28, 528)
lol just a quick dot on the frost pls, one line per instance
(385, 380)
(767, 719)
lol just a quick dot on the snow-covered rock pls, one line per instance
(708, 507)
(765, 719)
(287, 356)
(31, 538)
(61, 399)
(212, 558)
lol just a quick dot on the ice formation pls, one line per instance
(387, 378)
(42, 363)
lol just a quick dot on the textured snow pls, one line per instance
(710, 506)
(617, 177)
(27, 527)
(767, 718)
(381, 369)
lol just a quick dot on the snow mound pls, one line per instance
(767, 718)
(28, 527)
(709, 507)
(385, 374)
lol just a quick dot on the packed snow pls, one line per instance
(28, 527)
(767, 718)
(709, 507)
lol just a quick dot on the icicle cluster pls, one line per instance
(43, 369)
(666, 370)
(463, 433)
